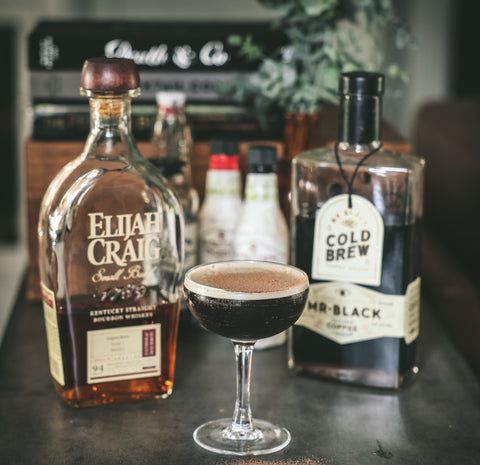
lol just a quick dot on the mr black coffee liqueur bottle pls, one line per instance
(356, 212)
(111, 257)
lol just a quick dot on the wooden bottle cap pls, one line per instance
(109, 75)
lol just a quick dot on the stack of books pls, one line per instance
(196, 58)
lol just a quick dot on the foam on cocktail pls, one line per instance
(246, 280)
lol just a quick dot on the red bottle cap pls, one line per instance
(221, 161)
(224, 155)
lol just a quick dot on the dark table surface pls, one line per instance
(434, 421)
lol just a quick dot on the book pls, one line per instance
(70, 121)
(197, 58)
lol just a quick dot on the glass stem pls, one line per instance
(242, 416)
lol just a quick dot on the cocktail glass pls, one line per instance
(244, 301)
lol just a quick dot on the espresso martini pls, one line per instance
(244, 301)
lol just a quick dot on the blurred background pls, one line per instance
(437, 92)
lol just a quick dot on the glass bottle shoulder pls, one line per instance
(107, 194)
(391, 181)
(383, 159)
(107, 182)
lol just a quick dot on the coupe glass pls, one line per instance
(244, 301)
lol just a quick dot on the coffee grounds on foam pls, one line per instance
(243, 279)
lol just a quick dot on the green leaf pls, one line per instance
(235, 40)
(324, 38)
(318, 7)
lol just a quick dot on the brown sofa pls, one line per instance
(447, 134)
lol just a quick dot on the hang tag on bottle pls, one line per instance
(348, 242)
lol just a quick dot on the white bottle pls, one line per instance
(262, 232)
(221, 208)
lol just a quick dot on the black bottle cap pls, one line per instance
(224, 147)
(262, 158)
(360, 107)
(361, 83)
(265, 155)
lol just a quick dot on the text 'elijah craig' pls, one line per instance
(111, 252)
(123, 239)
(356, 211)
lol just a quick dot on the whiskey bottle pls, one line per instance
(172, 135)
(172, 140)
(111, 252)
(356, 212)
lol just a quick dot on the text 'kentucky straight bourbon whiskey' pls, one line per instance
(111, 252)
(356, 212)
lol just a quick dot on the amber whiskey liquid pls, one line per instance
(102, 387)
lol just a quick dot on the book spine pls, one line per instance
(73, 124)
(158, 47)
(199, 86)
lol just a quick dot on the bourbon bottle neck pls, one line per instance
(110, 128)
(110, 113)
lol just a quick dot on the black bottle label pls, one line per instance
(347, 313)
(348, 242)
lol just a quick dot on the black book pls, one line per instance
(70, 121)
(194, 57)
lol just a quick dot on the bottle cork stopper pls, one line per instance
(109, 75)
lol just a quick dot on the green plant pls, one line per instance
(324, 38)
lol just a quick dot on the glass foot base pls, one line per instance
(217, 436)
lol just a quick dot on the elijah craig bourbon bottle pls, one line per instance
(111, 252)
(356, 234)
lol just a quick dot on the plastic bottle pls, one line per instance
(221, 208)
(262, 232)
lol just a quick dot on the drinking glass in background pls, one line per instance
(244, 301)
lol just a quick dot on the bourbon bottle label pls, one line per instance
(53, 335)
(348, 242)
(347, 313)
(117, 354)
